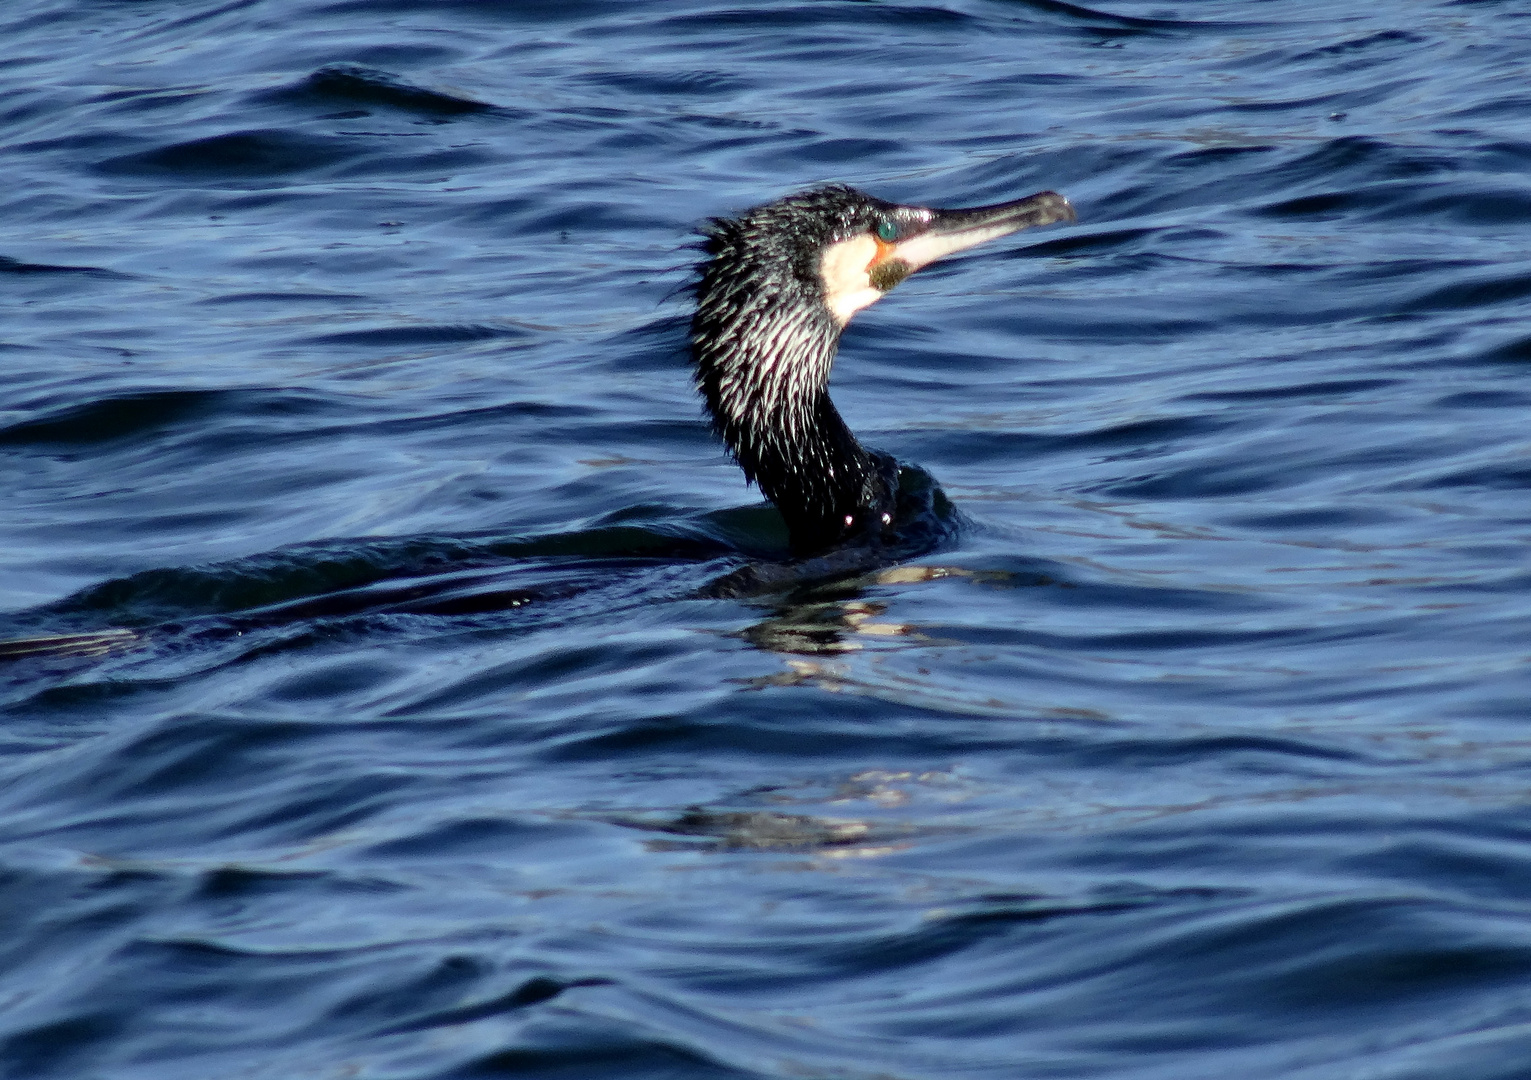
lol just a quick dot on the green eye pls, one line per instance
(887, 231)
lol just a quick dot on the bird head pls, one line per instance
(783, 279)
(842, 249)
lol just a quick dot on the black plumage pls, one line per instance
(778, 285)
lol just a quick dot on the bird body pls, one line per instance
(778, 286)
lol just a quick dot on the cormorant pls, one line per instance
(778, 286)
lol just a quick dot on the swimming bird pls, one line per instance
(778, 285)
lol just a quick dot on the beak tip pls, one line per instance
(1057, 206)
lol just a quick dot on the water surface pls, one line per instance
(346, 406)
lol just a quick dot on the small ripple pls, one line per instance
(1203, 480)
(532, 992)
(284, 298)
(689, 84)
(1111, 24)
(405, 336)
(1362, 158)
(751, 21)
(1510, 476)
(131, 416)
(1305, 390)
(1136, 437)
(1484, 399)
(359, 84)
(242, 154)
(1517, 351)
(475, 837)
(16, 266)
(1365, 43)
(1480, 291)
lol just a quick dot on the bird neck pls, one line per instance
(825, 483)
(769, 400)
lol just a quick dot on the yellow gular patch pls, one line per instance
(847, 286)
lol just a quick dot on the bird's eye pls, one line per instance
(887, 231)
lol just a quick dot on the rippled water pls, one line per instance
(345, 412)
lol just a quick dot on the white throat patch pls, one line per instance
(843, 269)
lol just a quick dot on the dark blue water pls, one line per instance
(344, 381)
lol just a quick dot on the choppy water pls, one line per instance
(342, 366)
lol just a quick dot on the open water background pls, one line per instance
(342, 365)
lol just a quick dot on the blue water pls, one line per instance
(345, 409)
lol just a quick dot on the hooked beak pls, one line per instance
(953, 230)
(857, 271)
